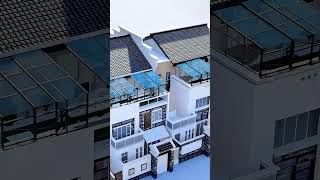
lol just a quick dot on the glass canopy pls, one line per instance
(53, 90)
(267, 35)
(93, 52)
(121, 87)
(136, 86)
(194, 70)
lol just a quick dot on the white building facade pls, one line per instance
(154, 127)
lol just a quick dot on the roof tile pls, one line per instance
(184, 44)
(125, 57)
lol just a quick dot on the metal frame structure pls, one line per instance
(141, 90)
(295, 38)
(193, 72)
(66, 107)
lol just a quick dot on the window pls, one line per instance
(131, 171)
(167, 76)
(202, 114)
(124, 157)
(199, 115)
(290, 129)
(143, 166)
(137, 153)
(279, 131)
(202, 102)
(122, 131)
(192, 133)
(169, 125)
(101, 134)
(189, 134)
(313, 123)
(199, 129)
(177, 136)
(156, 115)
(186, 136)
(302, 123)
(296, 128)
(140, 151)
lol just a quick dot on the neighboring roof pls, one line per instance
(28, 23)
(184, 44)
(155, 134)
(126, 58)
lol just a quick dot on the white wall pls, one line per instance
(137, 167)
(183, 96)
(123, 113)
(59, 158)
(115, 155)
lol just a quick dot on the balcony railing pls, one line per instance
(181, 122)
(127, 141)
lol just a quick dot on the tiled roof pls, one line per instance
(184, 44)
(125, 57)
(28, 23)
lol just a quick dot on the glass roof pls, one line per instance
(301, 13)
(148, 80)
(121, 87)
(195, 68)
(32, 80)
(93, 52)
(273, 24)
(144, 80)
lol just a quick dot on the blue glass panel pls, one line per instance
(93, 52)
(121, 87)
(145, 81)
(202, 64)
(187, 69)
(155, 78)
(114, 93)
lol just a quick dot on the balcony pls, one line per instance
(268, 47)
(127, 141)
(175, 122)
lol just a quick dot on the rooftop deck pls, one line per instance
(193, 71)
(136, 87)
(268, 36)
(40, 97)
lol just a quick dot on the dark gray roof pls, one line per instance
(125, 57)
(27, 23)
(184, 44)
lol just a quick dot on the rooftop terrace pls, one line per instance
(41, 96)
(268, 36)
(193, 71)
(136, 87)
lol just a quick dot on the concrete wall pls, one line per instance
(115, 155)
(232, 124)
(136, 165)
(183, 95)
(245, 115)
(59, 158)
(278, 99)
(123, 113)
(165, 67)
